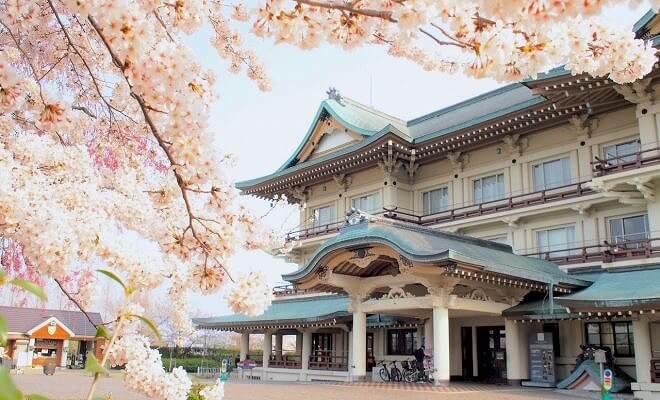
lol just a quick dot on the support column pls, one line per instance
(278, 344)
(338, 348)
(642, 336)
(441, 345)
(359, 365)
(306, 349)
(516, 353)
(420, 336)
(267, 349)
(299, 343)
(428, 334)
(245, 345)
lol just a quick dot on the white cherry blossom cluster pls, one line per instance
(213, 392)
(501, 39)
(143, 369)
(250, 295)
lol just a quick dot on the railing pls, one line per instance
(326, 360)
(564, 192)
(285, 361)
(605, 252)
(639, 159)
(655, 370)
(289, 290)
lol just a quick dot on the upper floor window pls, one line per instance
(621, 152)
(629, 229)
(488, 188)
(366, 203)
(324, 215)
(435, 200)
(552, 174)
(618, 336)
(555, 241)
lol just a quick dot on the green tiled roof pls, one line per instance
(297, 310)
(540, 309)
(634, 289)
(428, 245)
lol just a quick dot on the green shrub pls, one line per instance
(190, 364)
(194, 392)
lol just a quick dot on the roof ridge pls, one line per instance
(50, 309)
(370, 109)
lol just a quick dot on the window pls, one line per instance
(552, 174)
(618, 336)
(488, 188)
(324, 215)
(367, 203)
(435, 200)
(401, 342)
(629, 229)
(622, 152)
(555, 240)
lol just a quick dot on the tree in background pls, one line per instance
(106, 156)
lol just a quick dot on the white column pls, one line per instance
(428, 334)
(245, 345)
(278, 344)
(359, 366)
(440, 345)
(299, 343)
(350, 351)
(65, 353)
(641, 333)
(420, 336)
(267, 348)
(338, 348)
(653, 212)
(516, 353)
(306, 349)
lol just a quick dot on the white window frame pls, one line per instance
(546, 249)
(379, 200)
(444, 188)
(538, 186)
(481, 178)
(317, 223)
(604, 147)
(610, 234)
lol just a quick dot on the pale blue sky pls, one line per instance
(262, 129)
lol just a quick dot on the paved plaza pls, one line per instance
(70, 385)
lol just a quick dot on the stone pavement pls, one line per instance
(73, 385)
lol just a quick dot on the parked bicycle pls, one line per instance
(392, 374)
(412, 374)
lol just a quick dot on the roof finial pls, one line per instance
(333, 94)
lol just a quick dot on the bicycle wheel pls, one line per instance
(396, 374)
(384, 374)
(409, 375)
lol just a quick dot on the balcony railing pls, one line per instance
(288, 290)
(639, 159)
(326, 360)
(605, 252)
(564, 192)
(285, 361)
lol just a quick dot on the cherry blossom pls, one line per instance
(213, 392)
(250, 295)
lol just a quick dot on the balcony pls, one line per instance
(289, 290)
(642, 158)
(605, 252)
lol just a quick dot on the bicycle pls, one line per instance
(413, 374)
(391, 375)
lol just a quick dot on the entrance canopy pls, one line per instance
(369, 247)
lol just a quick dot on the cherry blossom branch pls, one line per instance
(382, 14)
(106, 353)
(74, 301)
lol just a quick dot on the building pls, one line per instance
(39, 336)
(524, 216)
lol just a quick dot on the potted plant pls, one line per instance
(49, 367)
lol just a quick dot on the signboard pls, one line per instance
(541, 359)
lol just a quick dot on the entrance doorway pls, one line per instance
(491, 354)
(466, 352)
(371, 361)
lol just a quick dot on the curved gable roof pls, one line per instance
(427, 245)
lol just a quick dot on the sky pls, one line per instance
(262, 129)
